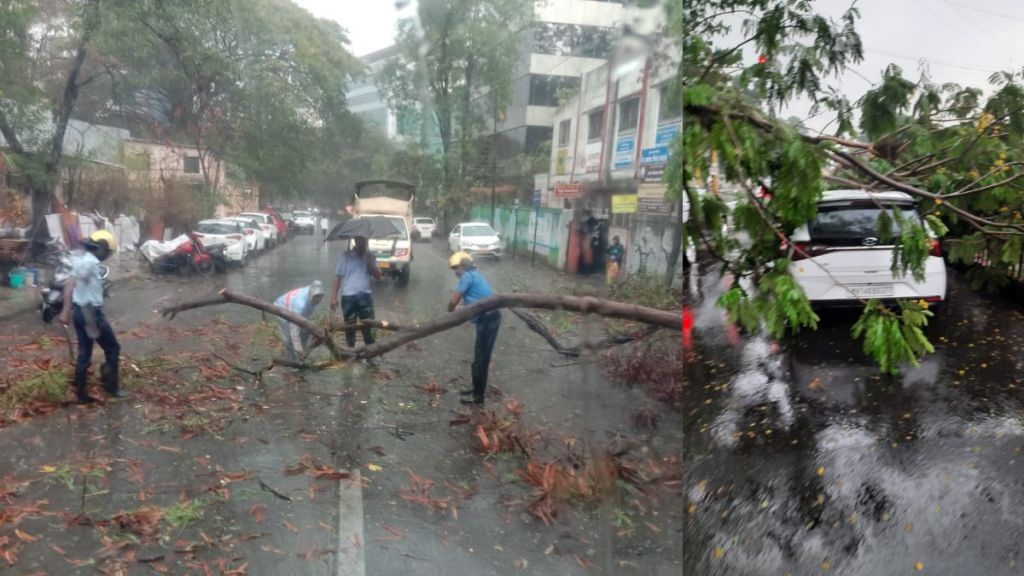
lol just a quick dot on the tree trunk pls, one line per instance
(43, 189)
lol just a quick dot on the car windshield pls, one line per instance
(257, 217)
(478, 230)
(217, 228)
(424, 221)
(301, 214)
(850, 224)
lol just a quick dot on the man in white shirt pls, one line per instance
(83, 305)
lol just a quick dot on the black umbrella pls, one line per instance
(364, 227)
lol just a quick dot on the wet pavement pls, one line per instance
(423, 499)
(801, 459)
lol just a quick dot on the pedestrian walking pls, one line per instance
(615, 253)
(325, 226)
(352, 276)
(472, 287)
(303, 301)
(83, 305)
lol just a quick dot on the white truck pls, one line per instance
(394, 200)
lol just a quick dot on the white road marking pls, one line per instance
(351, 557)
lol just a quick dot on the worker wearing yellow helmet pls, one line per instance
(83, 306)
(473, 287)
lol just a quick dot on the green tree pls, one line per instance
(456, 64)
(38, 94)
(956, 151)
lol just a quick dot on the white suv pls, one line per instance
(846, 261)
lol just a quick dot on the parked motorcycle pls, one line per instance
(188, 255)
(52, 295)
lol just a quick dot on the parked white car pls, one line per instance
(255, 237)
(224, 232)
(476, 239)
(266, 223)
(847, 260)
(304, 221)
(423, 228)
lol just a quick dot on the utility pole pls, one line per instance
(494, 154)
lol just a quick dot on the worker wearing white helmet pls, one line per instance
(83, 305)
(472, 287)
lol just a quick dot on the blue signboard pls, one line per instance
(536, 197)
(666, 134)
(624, 152)
(656, 155)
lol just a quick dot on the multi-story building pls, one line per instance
(365, 98)
(566, 39)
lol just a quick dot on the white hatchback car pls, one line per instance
(266, 223)
(226, 233)
(255, 237)
(476, 239)
(846, 261)
(423, 228)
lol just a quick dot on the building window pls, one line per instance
(191, 165)
(546, 90)
(629, 114)
(563, 133)
(669, 111)
(595, 126)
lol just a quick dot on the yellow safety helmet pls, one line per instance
(106, 236)
(455, 260)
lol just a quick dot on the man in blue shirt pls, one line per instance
(472, 287)
(83, 305)
(303, 301)
(355, 268)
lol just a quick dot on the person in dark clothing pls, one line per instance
(615, 253)
(355, 268)
(83, 306)
(472, 287)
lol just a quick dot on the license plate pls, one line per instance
(384, 265)
(870, 290)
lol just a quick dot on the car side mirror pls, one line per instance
(455, 234)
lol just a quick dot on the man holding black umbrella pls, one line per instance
(352, 276)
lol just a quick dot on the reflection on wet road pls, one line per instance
(802, 459)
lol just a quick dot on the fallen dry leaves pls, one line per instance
(307, 465)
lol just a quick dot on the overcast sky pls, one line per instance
(370, 23)
(963, 41)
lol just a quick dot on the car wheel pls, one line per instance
(403, 276)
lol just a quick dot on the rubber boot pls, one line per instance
(81, 380)
(110, 381)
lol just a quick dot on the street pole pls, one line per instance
(515, 226)
(494, 156)
(536, 224)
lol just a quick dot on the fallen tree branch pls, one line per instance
(582, 305)
(574, 351)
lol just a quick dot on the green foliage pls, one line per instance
(777, 304)
(447, 56)
(882, 107)
(894, 339)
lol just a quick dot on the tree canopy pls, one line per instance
(260, 83)
(956, 149)
(456, 65)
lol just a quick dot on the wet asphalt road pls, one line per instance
(801, 459)
(379, 425)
